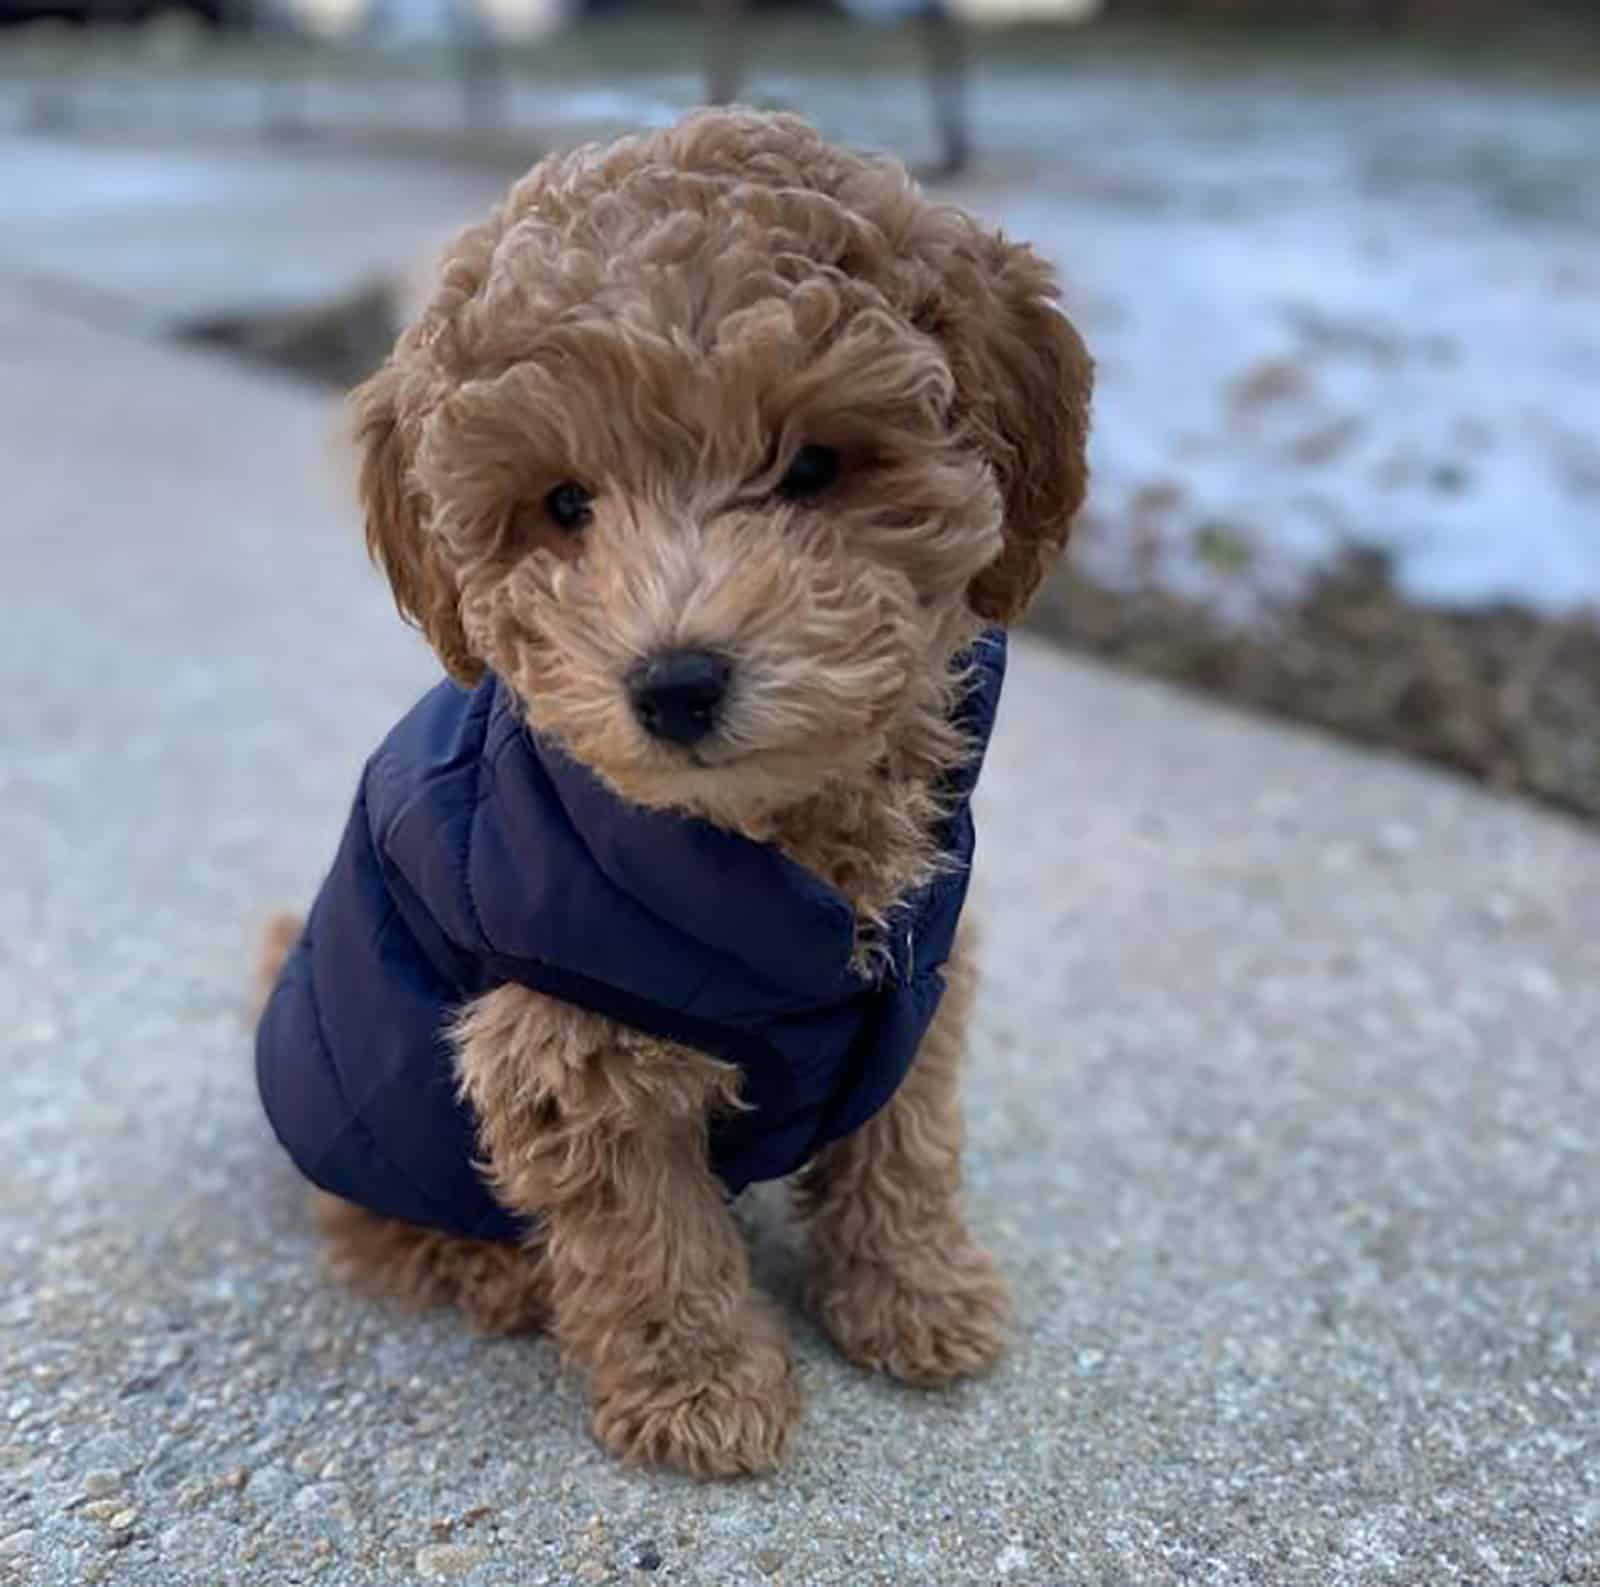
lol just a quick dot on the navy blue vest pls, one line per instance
(477, 854)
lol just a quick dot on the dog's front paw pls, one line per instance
(729, 1418)
(926, 1318)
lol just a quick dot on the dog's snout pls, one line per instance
(676, 696)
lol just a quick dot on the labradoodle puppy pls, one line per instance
(713, 471)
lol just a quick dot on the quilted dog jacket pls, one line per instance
(477, 854)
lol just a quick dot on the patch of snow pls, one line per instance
(1325, 314)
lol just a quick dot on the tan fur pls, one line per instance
(278, 936)
(897, 1279)
(666, 321)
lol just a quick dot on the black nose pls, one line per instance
(676, 696)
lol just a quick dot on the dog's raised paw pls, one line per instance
(928, 1320)
(733, 1421)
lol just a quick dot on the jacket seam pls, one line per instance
(468, 832)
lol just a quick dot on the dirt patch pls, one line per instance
(1509, 698)
(337, 344)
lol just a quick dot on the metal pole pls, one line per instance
(480, 69)
(723, 21)
(945, 51)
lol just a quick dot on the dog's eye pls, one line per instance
(569, 506)
(813, 470)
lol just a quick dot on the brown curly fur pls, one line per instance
(667, 321)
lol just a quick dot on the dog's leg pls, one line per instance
(278, 937)
(500, 1288)
(897, 1278)
(599, 1134)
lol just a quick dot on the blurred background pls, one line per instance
(1339, 261)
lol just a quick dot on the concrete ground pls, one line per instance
(1283, 1114)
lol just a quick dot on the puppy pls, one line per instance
(712, 471)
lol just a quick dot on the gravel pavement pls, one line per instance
(1283, 1116)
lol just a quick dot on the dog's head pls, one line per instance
(717, 445)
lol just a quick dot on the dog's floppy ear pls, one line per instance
(397, 529)
(1023, 382)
